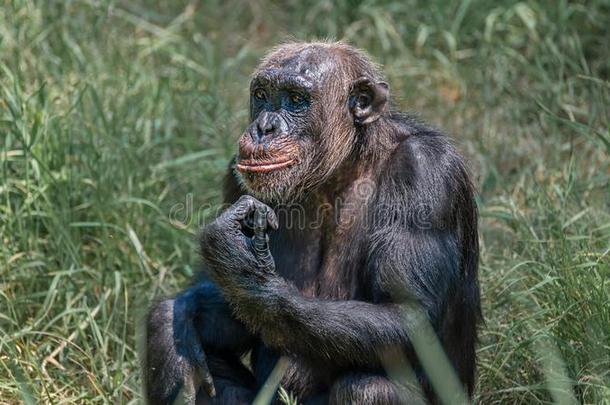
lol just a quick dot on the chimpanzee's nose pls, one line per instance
(267, 125)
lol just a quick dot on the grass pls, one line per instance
(113, 112)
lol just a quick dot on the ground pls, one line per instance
(117, 119)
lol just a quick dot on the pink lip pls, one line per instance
(260, 167)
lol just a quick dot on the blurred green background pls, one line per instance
(113, 112)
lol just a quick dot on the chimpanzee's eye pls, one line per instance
(364, 100)
(260, 94)
(296, 98)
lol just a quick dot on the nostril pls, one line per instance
(270, 128)
(265, 128)
(260, 132)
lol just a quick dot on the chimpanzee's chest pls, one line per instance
(298, 255)
(322, 258)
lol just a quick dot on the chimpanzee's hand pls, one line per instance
(236, 245)
(174, 359)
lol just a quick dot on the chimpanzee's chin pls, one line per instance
(270, 188)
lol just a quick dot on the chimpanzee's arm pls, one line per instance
(407, 264)
(215, 325)
(406, 267)
(181, 333)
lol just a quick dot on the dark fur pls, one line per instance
(388, 218)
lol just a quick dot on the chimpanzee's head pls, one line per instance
(309, 105)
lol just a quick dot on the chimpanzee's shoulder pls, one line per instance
(423, 156)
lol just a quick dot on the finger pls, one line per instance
(240, 210)
(193, 381)
(189, 392)
(264, 216)
(202, 370)
(260, 230)
(208, 383)
(204, 376)
(272, 219)
(260, 218)
(246, 204)
(189, 389)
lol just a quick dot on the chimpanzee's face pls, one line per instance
(278, 149)
(308, 104)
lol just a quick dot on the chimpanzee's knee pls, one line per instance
(360, 388)
(374, 389)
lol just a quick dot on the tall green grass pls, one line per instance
(113, 112)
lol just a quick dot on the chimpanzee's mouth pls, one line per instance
(262, 166)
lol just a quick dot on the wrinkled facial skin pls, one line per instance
(278, 149)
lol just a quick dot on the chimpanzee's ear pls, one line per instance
(368, 100)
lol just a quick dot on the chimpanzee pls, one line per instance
(344, 213)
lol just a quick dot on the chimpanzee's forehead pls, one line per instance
(312, 64)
